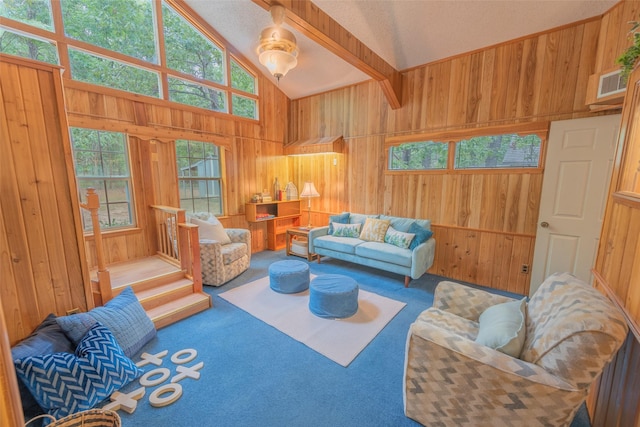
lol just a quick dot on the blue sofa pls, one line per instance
(412, 263)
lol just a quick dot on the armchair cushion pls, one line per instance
(211, 229)
(502, 327)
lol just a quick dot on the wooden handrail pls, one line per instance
(178, 241)
(104, 278)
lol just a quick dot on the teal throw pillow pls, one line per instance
(123, 316)
(398, 238)
(342, 218)
(346, 230)
(66, 383)
(503, 327)
(421, 235)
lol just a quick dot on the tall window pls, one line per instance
(244, 104)
(199, 176)
(101, 162)
(117, 44)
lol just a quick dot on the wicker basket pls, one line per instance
(90, 418)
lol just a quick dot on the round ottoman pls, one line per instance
(333, 296)
(289, 277)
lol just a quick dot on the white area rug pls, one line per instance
(341, 340)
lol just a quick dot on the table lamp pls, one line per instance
(309, 191)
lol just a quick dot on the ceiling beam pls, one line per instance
(311, 21)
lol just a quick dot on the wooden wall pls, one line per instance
(43, 269)
(252, 153)
(479, 219)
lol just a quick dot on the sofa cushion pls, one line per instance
(398, 238)
(342, 218)
(233, 252)
(403, 224)
(339, 244)
(123, 316)
(421, 235)
(384, 252)
(374, 230)
(451, 322)
(346, 230)
(502, 327)
(211, 229)
(360, 218)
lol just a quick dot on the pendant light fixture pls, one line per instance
(278, 50)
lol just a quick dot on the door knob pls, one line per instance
(544, 224)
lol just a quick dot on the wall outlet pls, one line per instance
(524, 269)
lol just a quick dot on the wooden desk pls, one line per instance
(302, 233)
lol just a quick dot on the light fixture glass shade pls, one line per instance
(277, 49)
(278, 62)
(309, 190)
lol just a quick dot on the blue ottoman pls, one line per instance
(289, 277)
(333, 296)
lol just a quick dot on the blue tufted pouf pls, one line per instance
(289, 277)
(333, 296)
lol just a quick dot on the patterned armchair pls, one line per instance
(223, 262)
(572, 332)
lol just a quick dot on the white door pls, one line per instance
(577, 171)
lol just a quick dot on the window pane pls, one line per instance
(196, 95)
(244, 107)
(419, 156)
(200, 160)
(189, 51)
(114, 74)
(32, 12)
(101, 162)
(498, 151)
(125, 26)
(241, 79)
(28, 47)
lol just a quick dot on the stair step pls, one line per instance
(164, 293)
(179, 309)
(151, 282)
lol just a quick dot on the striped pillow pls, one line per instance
(66, 383)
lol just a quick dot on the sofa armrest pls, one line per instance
(500, 364)
(316, 232)
(422, 258)
(465, 301)
(210, 249)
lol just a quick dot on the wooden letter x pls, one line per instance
(187, 372)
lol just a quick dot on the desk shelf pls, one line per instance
(279, 216)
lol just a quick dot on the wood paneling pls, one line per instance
(43, 269)
(533, 79)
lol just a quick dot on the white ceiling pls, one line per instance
(405, 33)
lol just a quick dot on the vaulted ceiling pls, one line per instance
(400, 34)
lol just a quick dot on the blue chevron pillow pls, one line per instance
(65, 383)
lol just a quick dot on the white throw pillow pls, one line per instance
(502, 327)
(211, 230)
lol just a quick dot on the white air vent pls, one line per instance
(610, 84)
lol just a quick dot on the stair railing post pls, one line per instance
(104, 278)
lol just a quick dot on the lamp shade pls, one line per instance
(309, 190)
(277, 49)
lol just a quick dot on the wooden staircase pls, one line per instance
(161, 287)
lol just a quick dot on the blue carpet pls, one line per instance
(254, 375)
